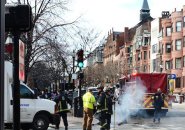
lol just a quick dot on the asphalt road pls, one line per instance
(174, 120)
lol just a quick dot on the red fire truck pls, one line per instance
(151, 81)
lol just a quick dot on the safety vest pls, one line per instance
(63, 105)
(88, 100)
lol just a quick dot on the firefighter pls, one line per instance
(62, 101)
(158, 104)
(88, 104)
(109, 98)
(102, 108)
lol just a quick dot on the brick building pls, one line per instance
(152, 45)
(172, 46)
(135, 52)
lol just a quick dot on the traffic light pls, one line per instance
(80, 59)
(18, 17)
(81, 75)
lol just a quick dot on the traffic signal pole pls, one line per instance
(2, 41)
(80, 84)
(16, 82)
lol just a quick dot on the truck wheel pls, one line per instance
(40, 122)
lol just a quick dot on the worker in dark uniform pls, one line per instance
(102, 108)
(62, 101)
(158, 104)
(109, 98)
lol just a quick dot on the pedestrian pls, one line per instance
(109, 98)
(88, 107)
(54, 94)
(102, 108)
(117, 93)
(45, 94)
(158, 104)
(62, 101)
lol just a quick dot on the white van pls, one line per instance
(35, 113)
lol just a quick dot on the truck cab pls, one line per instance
(35, 113)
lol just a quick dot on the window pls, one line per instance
(167, 65)
(139, 56)
(178, 63)
(178, 45)
(128, 50)
(168, 31)
(144, 68)
(130, 59)
(178, 26)
(131, 48)
(154, 64)
(172, 64)
(145, 55)
(154, 48)
(25, 92)
(146, 40)
(168, 48)
(178, 82)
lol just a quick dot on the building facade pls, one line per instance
(151, 46)
(173, 46)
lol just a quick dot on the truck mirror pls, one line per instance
(35, 94)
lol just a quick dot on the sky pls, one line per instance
(117, 14)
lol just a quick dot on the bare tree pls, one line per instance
(87, 39)
(111, 71)
(49, 28)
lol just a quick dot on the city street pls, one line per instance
(174, 120)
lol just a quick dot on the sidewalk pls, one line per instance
(178, 106)
(76, 122)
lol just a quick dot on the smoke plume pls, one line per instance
(130, 101)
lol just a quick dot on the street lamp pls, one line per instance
(9, 46)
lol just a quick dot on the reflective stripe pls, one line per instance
(105, 107)
(104, 125)
(65, 110)
(106, 104)
(60, 105)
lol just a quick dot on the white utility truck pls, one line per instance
(35, 113)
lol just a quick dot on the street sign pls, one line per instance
(21, 61)
(172, 76)
(74, 76)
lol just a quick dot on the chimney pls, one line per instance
(126, 34)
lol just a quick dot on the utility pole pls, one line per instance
(2, 41)
(80, 83)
